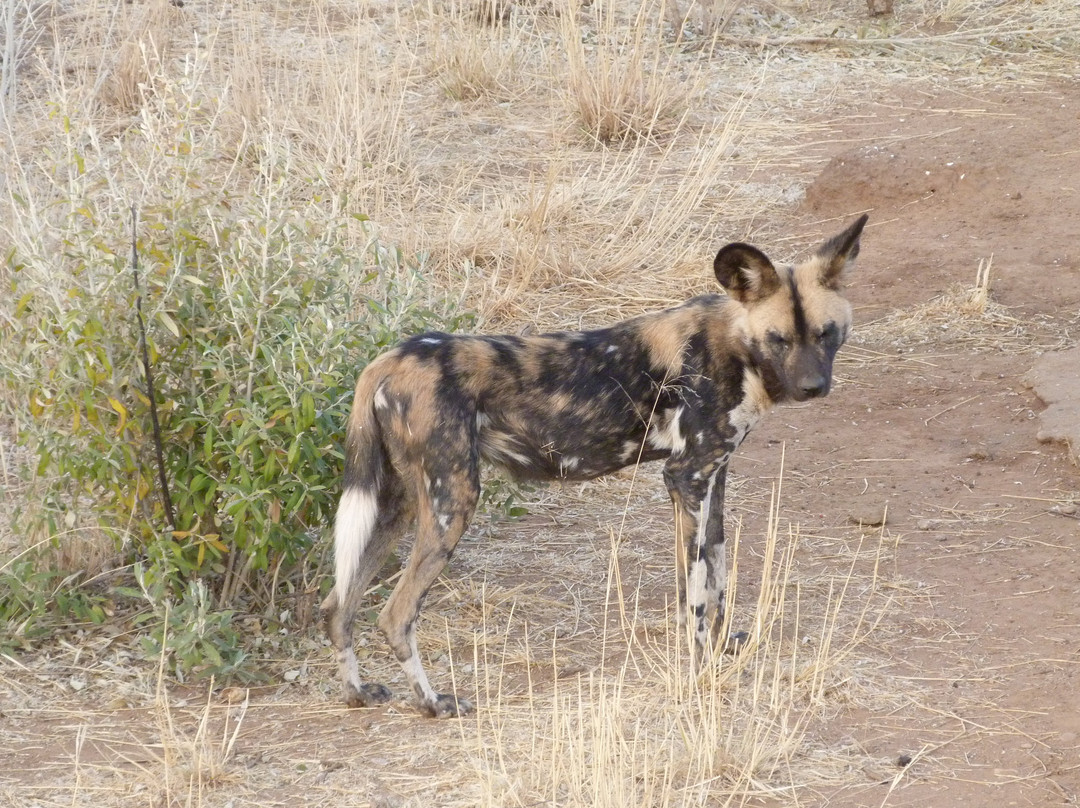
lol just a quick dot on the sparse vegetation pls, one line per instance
(314, 180)
(255, 343)
(259, 310)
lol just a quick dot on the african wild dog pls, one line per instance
(684, 385)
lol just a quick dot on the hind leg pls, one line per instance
(445, 506)
(392, 514)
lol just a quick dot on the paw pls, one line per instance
(736, 641)
(447, 705)
(367, 695)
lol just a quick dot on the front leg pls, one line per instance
(697, 488)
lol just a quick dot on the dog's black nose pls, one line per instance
(814, 387)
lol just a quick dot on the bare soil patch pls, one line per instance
(938, 422)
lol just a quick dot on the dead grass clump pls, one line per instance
(471, 61)
(582, 245)
(194, 760)
(621, 85)
(634, 728)
(507, 248)
(88, 552)
(142, 56)
(964, 316)
(711, 17)
(188, 761)
(244, 110)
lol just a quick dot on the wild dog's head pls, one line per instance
(796, 318)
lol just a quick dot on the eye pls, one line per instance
(778, 341)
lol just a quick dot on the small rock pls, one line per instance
(234, 695)
(869, 515)
(1056, 381)
(291, 676)
(903, 761)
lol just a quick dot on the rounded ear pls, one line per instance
(745, 272)
(839, 252)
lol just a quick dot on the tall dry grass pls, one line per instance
(595, 153)
(603, 712)
(636, 729)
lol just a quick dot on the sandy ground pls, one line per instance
(942, 427)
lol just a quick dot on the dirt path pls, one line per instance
(936, 421)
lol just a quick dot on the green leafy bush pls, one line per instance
(258, 322)
(30, 594)
(188, 634)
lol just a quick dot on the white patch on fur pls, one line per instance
(667, 434)
(755, 403)
(381, 403)
(352, 528)
(568, 464)
(414, 672)
(350, 671)
(718, 583)
(703, 510)
(498, 447)
(520, 459)
(611, 349)
(631, 451)
(695, 584)
(431, 341)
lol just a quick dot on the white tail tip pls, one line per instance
(352, 528)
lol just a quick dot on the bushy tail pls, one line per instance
(365, 462)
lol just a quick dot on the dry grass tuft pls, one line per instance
(623, 84)
(473, 62)
(191, 761)
(191, 754)
(963, 317)
(140, 60)
(710, 17)
(633, 728)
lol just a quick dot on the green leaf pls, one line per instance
(22, 304)
(169, 323)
